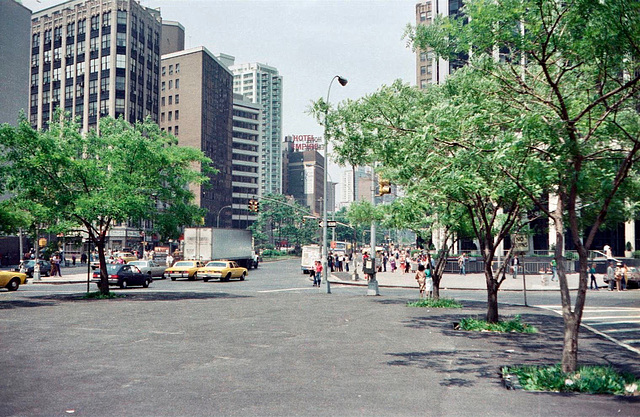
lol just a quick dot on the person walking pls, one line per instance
(56, 261)
(428, 285)
(317, 278)
(593, 281)
(461, 265)
(514, 266)
(554, 270)
(611, 276)
(421, 277)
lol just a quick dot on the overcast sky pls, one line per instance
(308, 41)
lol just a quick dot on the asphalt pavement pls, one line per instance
(232, 349)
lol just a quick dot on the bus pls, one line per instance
(340, 247)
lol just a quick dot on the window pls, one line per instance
(80, 109)
(106, 19)
(47, 36)
(82, 27)
(121, 39)
(45, 97)
(175, 131)
(177, 98)
(93, 87)
(80, 47)
(47, 57)
(162, 117)
(119, 105)
(95, 22)
(93, 65)
(93, 108)
(121, 61)
(93, 44)
(80, 69)
(164, 71)
(79, 90)
(122, 17)
(178, 68)
(56, 74)
(169, 129)
(46, 77)
(170, 116)
(170, 84)
(104, 85)
(69, 71)
(35, 40)
(57, 33)
(57, 53)
(68, 50)
(104, 107)
(170, 100)
(34, 100)
(71, 29)
(163, 86)
(177, 83)
(162, 101)
(121, 83)
(34, 80)
(56, 95)
(170, 69)
(106, 41)
(177, 114)
(35, 60)
(106, 63)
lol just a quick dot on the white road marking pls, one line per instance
(289, 289)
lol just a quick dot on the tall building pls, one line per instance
(262, 84)
(196, 106)
(246, 159)
(94, 58)
(172, 37)
(429, 69)
(305, 174)
(14, 60)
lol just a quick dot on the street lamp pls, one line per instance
(325, 282)
(220, 211)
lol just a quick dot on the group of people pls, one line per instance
(616, 277)
(339, 262)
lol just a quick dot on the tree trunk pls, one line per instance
(492, 294)
(104, 282)
(570, 347)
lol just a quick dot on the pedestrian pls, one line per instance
(619, 274)
(421, 277)
(611, 276)
(385, 259)
(461, 265)
(73, 260)
(554, 270)
(593, 281)
(514, 266)
(83, 258)
(317, 279)
(428, 286)
(407, 265)
(169, 260)
(607, 251)
(392, 262)
(346, 262)
(56, 259)
(623, 281)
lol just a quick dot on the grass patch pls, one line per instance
(588, 379)
(439, 303)
(97, 295)
(514, 325)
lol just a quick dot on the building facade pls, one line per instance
(14, 60)
(262, 84)
(305, 173)
(95, 58)
(172, 37)
(245, 160)
(196, 106)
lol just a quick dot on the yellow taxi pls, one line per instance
(184, 269)
(12, 280)
(222, 270)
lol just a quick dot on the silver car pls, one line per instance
(151, 268)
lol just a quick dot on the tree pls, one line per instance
(571, 70)
(91, 182)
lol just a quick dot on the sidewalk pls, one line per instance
(475, 281)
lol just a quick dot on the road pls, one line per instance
(274, 345)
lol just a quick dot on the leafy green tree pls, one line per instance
(571, 72)
(93, 181)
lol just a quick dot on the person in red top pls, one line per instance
(317, 278)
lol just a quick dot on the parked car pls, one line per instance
(124, 275)
(26, 267)
(11, 280)
(183, 269)
(222, 270)
(151, 268)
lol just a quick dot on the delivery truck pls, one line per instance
(210, 244)
(310, 254)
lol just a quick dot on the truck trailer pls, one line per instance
(210, 244)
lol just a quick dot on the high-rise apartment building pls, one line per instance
(94, 58)
(262, 84)
(429, 69)
(14, 60)
(246, 159)
(172, 37)
(305, 178)
(196, 106)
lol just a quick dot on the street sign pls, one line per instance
(520, 243)
(330, 223)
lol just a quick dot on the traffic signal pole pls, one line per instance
(372, 288)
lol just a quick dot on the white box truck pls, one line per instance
(208, 244)
(310, 254)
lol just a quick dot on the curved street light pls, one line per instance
(325, 282)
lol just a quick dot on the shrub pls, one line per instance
(97, 295)
(587, 379)
(514, 325)
(636, 254)
(439, 303)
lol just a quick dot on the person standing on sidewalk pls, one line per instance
(421, 277)
(593, 281)
(461, 265)
(611, 276)
(514, 266)
(317, 278)
(554, 270)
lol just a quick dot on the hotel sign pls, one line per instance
(303, 143)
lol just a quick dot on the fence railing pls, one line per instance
(530, 267)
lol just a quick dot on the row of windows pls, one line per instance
(245, 114)
(171, 84)
(177, 100)
(177, 67)
(172, 130)
(170, 116)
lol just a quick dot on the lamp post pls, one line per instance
(220, 211)
(325, 282)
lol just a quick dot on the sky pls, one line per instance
(308, 41)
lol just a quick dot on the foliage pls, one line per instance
(436, 303)
(273, 253)
(70, 181)
(514, 325)
(98, 295)
(588, 379)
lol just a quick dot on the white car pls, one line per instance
(151, 268)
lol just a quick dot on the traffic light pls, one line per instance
(384, 186)
(254, 206)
